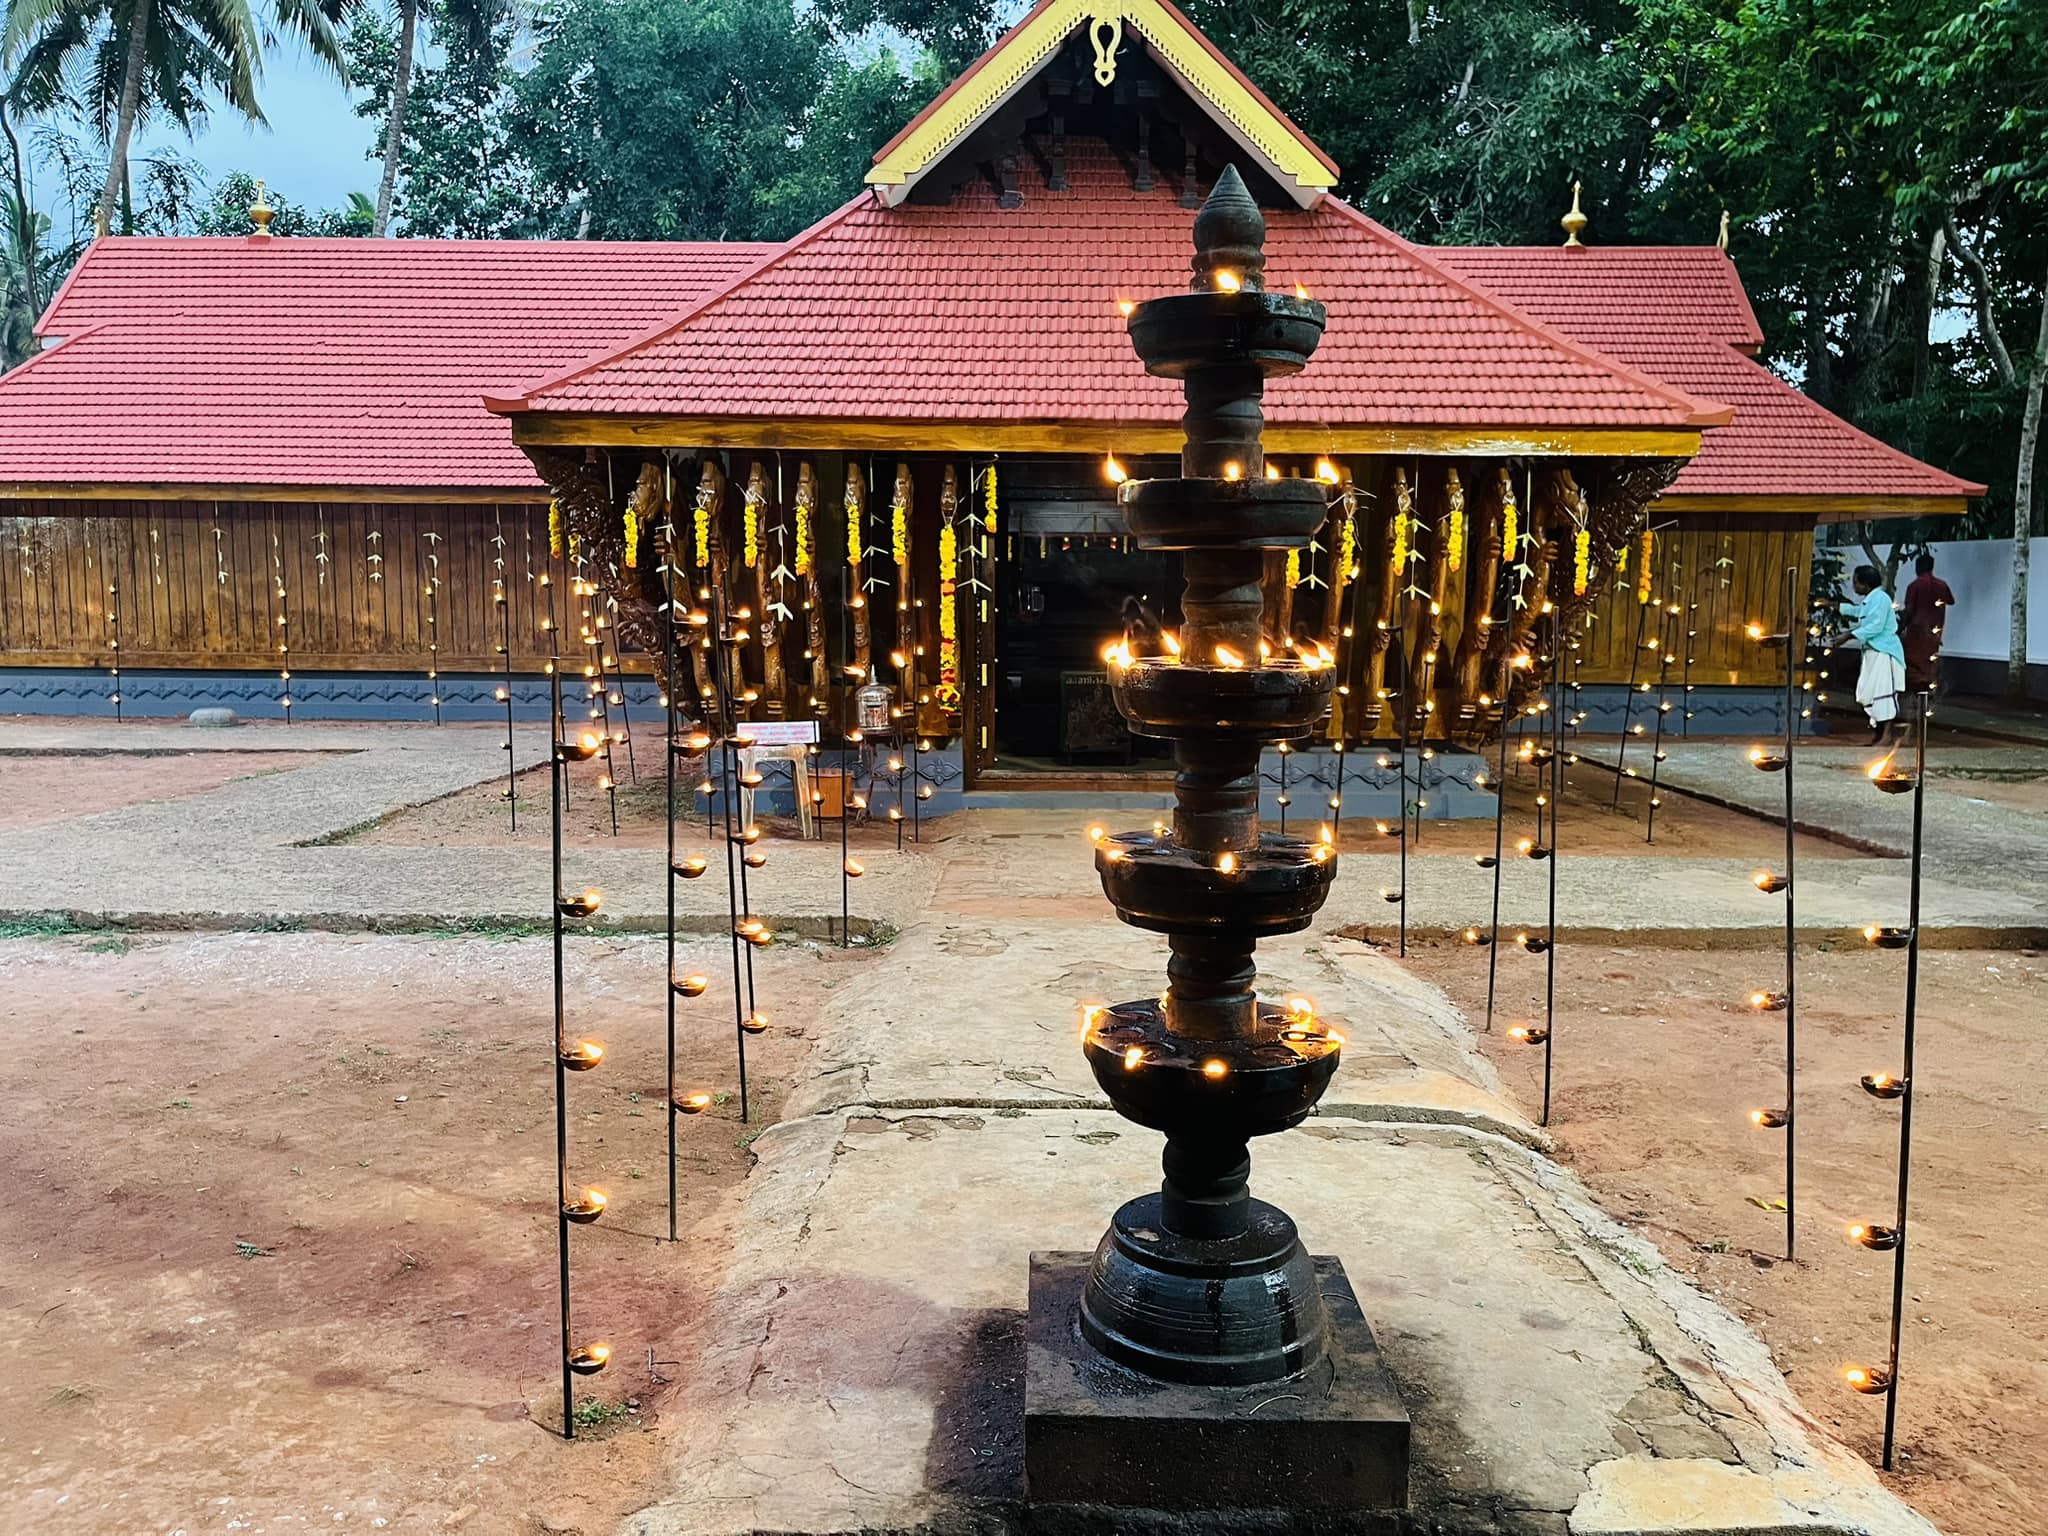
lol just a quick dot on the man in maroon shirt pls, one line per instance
(1928, 601)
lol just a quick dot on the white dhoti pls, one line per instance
(1879, 685)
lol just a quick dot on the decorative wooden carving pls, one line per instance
(1482, 577)
(816, 653)
(769, 610)
(855, 503)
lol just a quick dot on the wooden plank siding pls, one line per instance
(196, 585)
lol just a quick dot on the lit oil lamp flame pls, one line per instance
(1300, 291)
(1096, 834)
(694, 1103)
(1116, 473)
(1134, 1058)
(1172, 643)
(1227, 281)
(1226, 864)
(1215, 1069)
(1327, 472)
(1233, 470)
(854, 868)
(1272, 471)
(1226, 657)
(1126, 307)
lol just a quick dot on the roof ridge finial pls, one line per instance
(1230, 237)
(260, 214)
(1721, 241)
(1575, 222)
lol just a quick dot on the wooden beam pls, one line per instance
(805, 434)
(171, 490)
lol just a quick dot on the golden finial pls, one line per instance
(1576, 221)
(1721, 243)
(261, 213)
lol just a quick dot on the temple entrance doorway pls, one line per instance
(1063, 594)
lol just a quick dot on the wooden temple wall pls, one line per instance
(196, 585)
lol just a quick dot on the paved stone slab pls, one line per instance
(862, 1369)
(973, 1013)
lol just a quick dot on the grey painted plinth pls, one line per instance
(1334, 1439)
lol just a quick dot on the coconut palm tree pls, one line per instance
(474, 21)
(126, 61)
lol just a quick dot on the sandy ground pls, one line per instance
(274, 1241)
(1658, 1062)
(36, 790)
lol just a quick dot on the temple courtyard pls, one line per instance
(278, 1254)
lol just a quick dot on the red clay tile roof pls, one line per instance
(1680, 313)
(323, 362)
(972, 314)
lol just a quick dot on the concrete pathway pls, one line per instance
(271, 850)
(863, 1359)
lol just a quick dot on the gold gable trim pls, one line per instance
(1003, 73)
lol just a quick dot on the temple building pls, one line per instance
(894, 439)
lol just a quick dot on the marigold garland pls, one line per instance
(990, 520)
(852, 528)
(1643, 570)
(1400, 543)
(1510, 523)
(899, 530)
(803, 529)
(1293, 569)
(1347, 546)
(1454, 556)
(702, 553)
(1621, 560)
(1582, 561)
(750, 532)
(949, 618)
(555, 529)
(631, 523)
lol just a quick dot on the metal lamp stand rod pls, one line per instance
(668, 805)
(1401, 636)
(1891, 1396)
(728, 769)
(1791, 910)
(1628, 703)
(1500, 800)
(1657, 736)
(511, 758)
(1550, 932)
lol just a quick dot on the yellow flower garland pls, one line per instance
(1582, 560)
(1293, 569)
(990, 520)
(750, 532)
(899, 531)
(632, 527)
(1510, 524)
(702, 553)
(1400, 544)
(555, 529)
(1454, 557)
(803, 534)
(1643, 570)
(852, 532)
(1347, 546)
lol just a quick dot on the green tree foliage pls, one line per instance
(227, 212)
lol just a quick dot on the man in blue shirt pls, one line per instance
(1875, 626)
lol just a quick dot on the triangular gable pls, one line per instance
(1211, 81)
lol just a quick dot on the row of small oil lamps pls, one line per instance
(1887, 778)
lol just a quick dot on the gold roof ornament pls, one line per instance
(1721, 241)
(260, 214)
(1576, 221)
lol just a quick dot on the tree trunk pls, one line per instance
(2023, 507)
(394, 120)
(124, 124)
(27, 246)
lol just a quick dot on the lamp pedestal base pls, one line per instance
(1333, 1438)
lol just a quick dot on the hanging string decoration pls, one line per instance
(319, 545)
(1454, 555)
(1645, 567)
(806, 497)
(949, 590)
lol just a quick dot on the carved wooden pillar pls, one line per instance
(816, 655)
(1482, 575)
(1393, 569)
(768, 621)
(1429, 629)
(855, 504)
